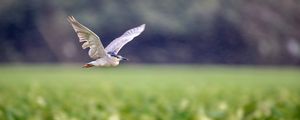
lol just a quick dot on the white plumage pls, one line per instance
(107, 56)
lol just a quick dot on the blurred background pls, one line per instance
(240, 60)
(194, 31)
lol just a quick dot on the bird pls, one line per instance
(103, 57)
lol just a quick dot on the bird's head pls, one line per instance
(118, 57)
(123, 58)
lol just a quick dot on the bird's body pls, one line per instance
(106, 61)
(105, 57)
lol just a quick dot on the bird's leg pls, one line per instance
(87, 65)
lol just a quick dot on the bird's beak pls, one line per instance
(123, 58)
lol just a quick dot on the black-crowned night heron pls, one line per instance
(103, 57)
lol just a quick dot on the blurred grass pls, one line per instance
(138, 92)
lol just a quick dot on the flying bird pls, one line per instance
(103, 56)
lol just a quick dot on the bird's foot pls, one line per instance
(87, 66)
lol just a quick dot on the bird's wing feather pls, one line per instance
(89, 39)
(116, 45)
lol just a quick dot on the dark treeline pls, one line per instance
(181, 31)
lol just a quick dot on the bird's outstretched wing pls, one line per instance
(116, 45)
(89, 39)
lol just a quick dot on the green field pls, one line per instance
(137, 92)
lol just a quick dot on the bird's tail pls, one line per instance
(87, 65)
